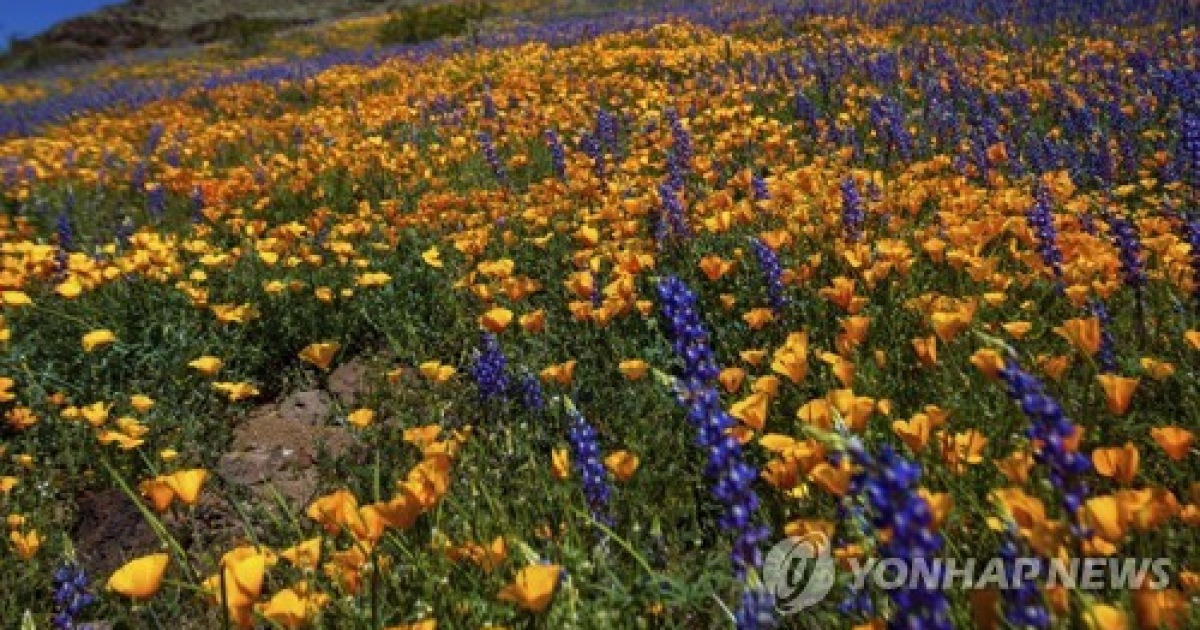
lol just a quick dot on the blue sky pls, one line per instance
(29, 17)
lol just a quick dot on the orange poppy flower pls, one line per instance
(634, 369)
(731, 379)
(1120, 463)
(1083, 333)
(926, 349)
(1175, 441)
(140, 578)
(496, 319)
(914, 432)
(751, 411)
(988, 361)
(320, 354)
(533, 587)
(756, 318)
(1119, 391)
(560, 463)
(622, 464)
(1105, 617)
(186, 484)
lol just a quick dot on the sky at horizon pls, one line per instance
(25, 17)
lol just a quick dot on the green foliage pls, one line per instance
(411, 24)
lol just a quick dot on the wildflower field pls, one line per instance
(567, 322)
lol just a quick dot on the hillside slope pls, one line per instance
(139, 24)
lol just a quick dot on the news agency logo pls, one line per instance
(800, 571)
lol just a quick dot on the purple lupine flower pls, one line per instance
(1129, 252)
(804, 110)
(1088, 223)
(679, 158)
(1050, 428)
(1040, 219)
(887, 117)
(66, 242)
(153, 138)
(71, 596)
(733, 478)
(591, 148)
(608, 131)
(585, 453)
(1187, 152)
(490, 369)
(757, 610)
(1021, 600)
(532, 396)
(768, 263)
(853, 210)
(489, 153)
(137, 179)
(197, 205)
(681, 144)
(124, 232)
(1191, 234)
(1106, 356)
(558, 154)
(156, 201)
(489, 106)
(675, 217)
(887, 485)
(758, 186)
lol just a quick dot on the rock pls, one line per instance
(310, 407)
(109, 532)
(275, 449)
(349, 381)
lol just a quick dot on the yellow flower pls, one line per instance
(361, 418)
(15, 298)
(96, 413)
(294, 607)
(236, 391)
(207, 365)
(69, 289)
(560, 463)
(436, 372)
(141, 403)
(634, 369)
(140, 578)
(98, 339)
(533, 587)
(622, 464)
(432, 257)
(26, 544)
(304, 555)
(496, 319)
(373, 279)
(320, 354)
(1105, 617)
(186, 484)
(1158, 370)
(20, 418)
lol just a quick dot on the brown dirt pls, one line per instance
(276, 446)
(110, 531)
